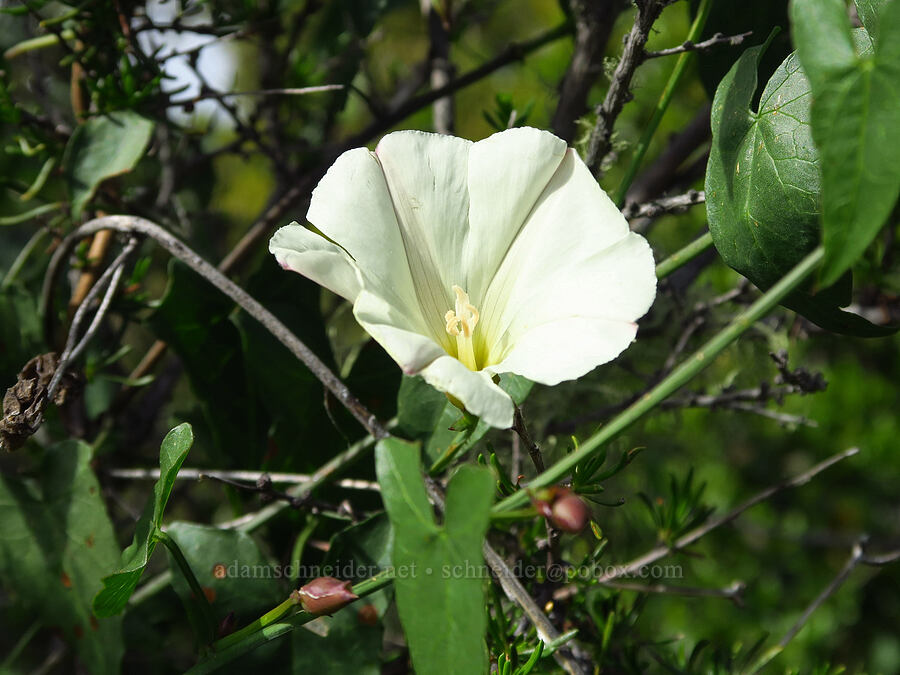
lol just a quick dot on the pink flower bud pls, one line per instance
(569, 513)
(326, 595)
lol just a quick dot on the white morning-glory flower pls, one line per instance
(464, 260)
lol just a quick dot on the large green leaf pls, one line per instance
(100, 148)
(56, 542)
(855, 123)
(235, 574)
(118, 587)
(763, 190)
(439, 569)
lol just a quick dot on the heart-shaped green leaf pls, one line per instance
(439, 569)
(763, 187)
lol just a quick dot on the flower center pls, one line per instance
(461, 323)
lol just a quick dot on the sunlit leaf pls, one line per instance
(118, 587)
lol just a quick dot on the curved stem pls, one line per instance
(134, 224)
(678, 378)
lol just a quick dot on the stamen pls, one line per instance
(460, 323)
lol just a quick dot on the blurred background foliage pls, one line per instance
(211, 172)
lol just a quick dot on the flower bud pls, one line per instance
(569, 513)
(325, 595)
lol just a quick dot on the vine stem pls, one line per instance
(663, 104)
(209, 622)
(273, 625)
(676, 379)
(684, 255)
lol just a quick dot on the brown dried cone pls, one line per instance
(325, 595)
(25, 401)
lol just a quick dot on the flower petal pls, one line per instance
(352, 206)
(507, 173)
(297, 248)
(401, 334)
(574, 257)
(566, 349)
(426, 176)
(474, 390)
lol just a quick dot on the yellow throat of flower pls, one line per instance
(461, 323)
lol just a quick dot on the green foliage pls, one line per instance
(505, 115)
(232, 570)
(118, 587)
(439, 587)
(100, 148)
(855, 123)
(763, 190)
(425, 413)
(55, 545)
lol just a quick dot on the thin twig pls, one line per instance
(688, 46)
(219, 95)
(857, 557)
(109, 281)
(252, 476)
(136, 225)
(619, 91)
(593, 23)
(658, 207)
(521, 430)
(516, 51)
(629, 568)
(734, 592)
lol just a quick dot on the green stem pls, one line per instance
(684, 255)
(40, 42)
(271, 626)
(676, 379)
(22, 258)
(206, 612)
(266, 619)
(28, 215)
(662, 105)
(19, 647)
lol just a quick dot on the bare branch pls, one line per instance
(522, 431)
(442, 68)
(734, 592)
(136, 225)
(619, 92)
(688, 46)
(252, 476)
(659, 552)
(594, 21)
(857, 557)
(658, 207)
